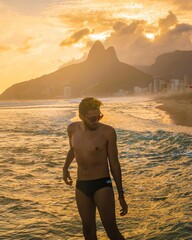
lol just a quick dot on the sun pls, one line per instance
(150, 36)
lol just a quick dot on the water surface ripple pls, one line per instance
(155, 156)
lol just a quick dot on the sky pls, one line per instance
(38, 37)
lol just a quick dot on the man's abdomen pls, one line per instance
(90, 172)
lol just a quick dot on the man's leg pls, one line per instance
(87, 211)
(105, 202)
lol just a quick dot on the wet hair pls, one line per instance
(87, 104)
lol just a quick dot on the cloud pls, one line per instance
(25, 46)
(178, 38)
(133, 47)
(183, 5)
(167, 22)
(75, 37)
(97, 19)
(182, 28)
(134, 27)
(4, 48)
(129, 41)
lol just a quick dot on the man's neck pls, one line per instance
(87, 129)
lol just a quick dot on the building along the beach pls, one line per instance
(170, 84)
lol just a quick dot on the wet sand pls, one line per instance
(178, 106)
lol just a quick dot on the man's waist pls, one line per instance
(92, 173)
(93, 179)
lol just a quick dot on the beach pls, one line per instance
(178, 106)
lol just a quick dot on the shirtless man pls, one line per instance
(94, 146)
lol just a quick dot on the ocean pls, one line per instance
(155, 156)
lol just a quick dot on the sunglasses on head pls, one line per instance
(95, 118)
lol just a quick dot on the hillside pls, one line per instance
(177, 64)
(101, 74)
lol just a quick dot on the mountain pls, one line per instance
(101, 74)
(177, 64)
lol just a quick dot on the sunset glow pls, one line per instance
(49, 34)
(150, 36)
(100, 36)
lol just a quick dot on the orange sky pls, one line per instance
(40, 36)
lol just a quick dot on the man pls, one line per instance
(94, 145)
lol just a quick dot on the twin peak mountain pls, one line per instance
(101, 74)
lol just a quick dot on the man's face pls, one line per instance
(91, 119)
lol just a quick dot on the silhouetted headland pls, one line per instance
(101, 74)
(174, 64)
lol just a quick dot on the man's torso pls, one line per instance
(90, 149)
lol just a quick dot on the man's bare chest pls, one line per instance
(89, 142)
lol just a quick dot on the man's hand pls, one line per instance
(124, 206)
(66, 177)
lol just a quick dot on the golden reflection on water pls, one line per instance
(36, 203)
(156, 198)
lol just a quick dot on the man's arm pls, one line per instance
(116, 168)
(69, 158)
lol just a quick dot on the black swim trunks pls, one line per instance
(89, 187)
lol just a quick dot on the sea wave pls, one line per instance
(156, 168)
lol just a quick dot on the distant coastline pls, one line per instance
(178, 106)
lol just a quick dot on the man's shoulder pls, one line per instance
(72, 126)
(108, 128)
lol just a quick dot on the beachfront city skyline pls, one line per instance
(38, 38)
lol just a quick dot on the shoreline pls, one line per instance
(178, 107)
